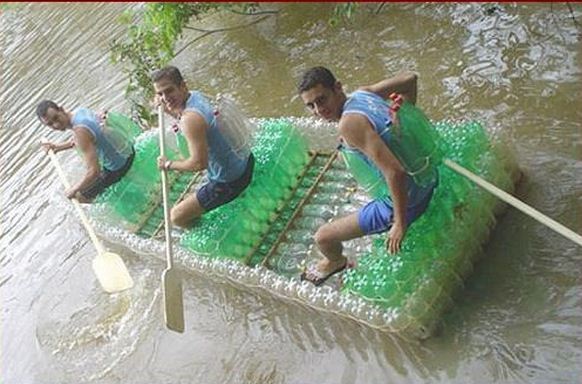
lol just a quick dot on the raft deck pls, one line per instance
(265, 236)
(284, 246)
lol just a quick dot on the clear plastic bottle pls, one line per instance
(235, 127)
(120, 131)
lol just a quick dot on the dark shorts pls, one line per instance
(378, 215)
(106, 178)
(214, 194)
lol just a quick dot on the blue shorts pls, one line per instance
(378, 215)
(214, 194)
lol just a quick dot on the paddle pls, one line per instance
(562, 230)
(171, 283)
(107, 266)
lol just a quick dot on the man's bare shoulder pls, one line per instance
(82, 131)
(353, 126)
(193, 119)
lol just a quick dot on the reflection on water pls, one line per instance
(516, 67)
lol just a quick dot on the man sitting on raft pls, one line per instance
(229, 169)
(365, 126)
(108, 153)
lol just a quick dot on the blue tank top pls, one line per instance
(376, 110)
(109, 151)
(223, 163)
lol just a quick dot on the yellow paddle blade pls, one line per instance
(173, 301)
(111, 272)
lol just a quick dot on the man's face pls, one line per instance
(324, 102)
(56, 119)
(172, 95)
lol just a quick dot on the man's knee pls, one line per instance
(325, 235)
(82, 199)
(180, 218)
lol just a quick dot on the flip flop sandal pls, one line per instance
(313, 275)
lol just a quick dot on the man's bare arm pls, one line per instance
(86, 144)
(358, 132)
(404, 83)
(58, 147)
(194, 128)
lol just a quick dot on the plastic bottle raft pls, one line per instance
(270, 226)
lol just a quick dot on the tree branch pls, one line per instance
(380, 7)
(572, 14)
(268, 12)
(206, 32)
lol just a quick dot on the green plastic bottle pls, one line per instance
(415, 141)
(123, 125)
(367, 176)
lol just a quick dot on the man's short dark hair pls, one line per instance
(43, 107)
(314, 76)
(171, 73)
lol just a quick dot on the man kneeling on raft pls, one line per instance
(365, 126)
(108, 154)
(229, 173)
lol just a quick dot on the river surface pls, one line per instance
(515, 67)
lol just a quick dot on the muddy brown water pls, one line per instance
(515, 67)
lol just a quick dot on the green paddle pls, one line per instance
(171, 283)
(108, 267)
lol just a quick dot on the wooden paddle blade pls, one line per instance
(173, 301)
(111, 272)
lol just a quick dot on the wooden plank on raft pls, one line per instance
(300, 177)
(299, 208)
(186, 190)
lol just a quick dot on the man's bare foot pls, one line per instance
(324, 270)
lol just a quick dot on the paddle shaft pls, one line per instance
(165, 192)
(516, 203)
(171, 283)
(84, 219)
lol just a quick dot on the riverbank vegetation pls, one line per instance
(152, 33)
(154, 29)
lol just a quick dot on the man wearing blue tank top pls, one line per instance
(108, 155)
(364, 124)
(228, 172)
